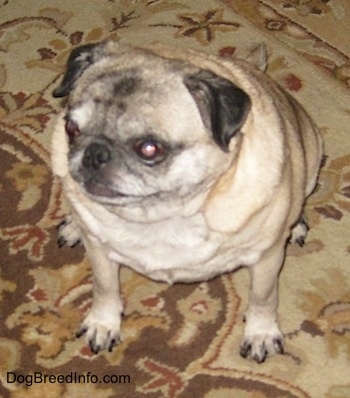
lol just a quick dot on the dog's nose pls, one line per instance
(96, 155)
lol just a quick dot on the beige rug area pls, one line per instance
(179, 341)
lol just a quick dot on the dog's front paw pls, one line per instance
(68, 233)
(102, 330)
(262, 339)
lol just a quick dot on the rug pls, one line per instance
(179, 341)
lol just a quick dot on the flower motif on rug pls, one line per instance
(332, 195)
(50, 315)
(329, 311)
(24, 111)
(55, 55)
(202, 26)
(25, 170)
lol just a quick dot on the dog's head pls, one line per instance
(144, 127)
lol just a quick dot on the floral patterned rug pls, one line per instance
(179, 341)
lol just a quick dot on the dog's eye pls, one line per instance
(150, 151)
(72, 130)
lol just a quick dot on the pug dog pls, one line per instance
(181, 166)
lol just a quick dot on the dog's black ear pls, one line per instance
(79, 59)
(222, 105)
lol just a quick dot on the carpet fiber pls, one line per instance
(179, 341)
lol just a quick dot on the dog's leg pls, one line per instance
(262, 337)
(102, 324)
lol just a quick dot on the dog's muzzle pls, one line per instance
(95, 156)
(98, 170)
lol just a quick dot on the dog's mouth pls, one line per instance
(104, 194)
(101, 191)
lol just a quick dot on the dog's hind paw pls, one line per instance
(68, 233)
(299, 232)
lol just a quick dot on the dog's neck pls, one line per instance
(149, 210)
(155, 210)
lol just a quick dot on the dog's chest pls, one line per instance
(176, 249)
(161, 248)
